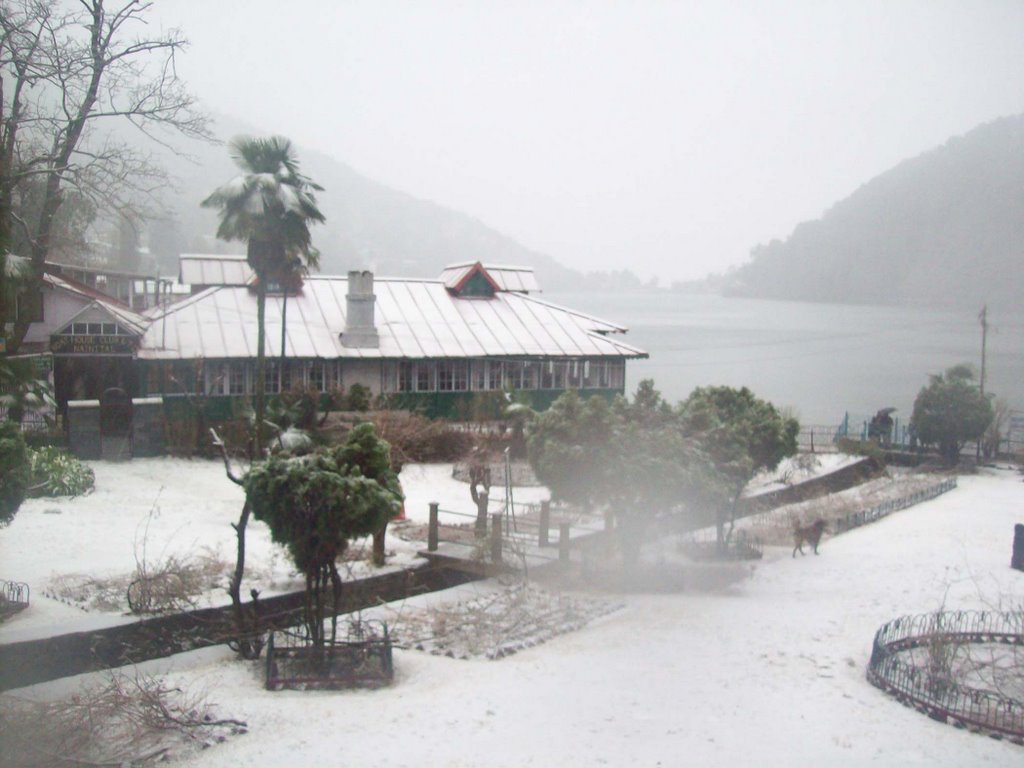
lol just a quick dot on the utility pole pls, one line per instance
(983, 319)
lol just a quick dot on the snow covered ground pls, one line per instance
(770, 672)
(153, 509)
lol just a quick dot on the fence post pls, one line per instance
(481, 514)
(496, 537)
(563, 542)
(1017, 560)
(432, 528)
(545, 523)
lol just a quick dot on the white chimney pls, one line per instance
(360, 331)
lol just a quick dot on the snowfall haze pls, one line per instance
(667, 138)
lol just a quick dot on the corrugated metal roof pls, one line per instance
(514, 278)
(415, 319)
(214, 269)
(507, 278)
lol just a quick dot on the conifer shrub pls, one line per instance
(358, 398)
(14, 471)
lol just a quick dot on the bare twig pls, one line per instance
(219, 444)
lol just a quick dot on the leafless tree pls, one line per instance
(128, 719)
(66, 73)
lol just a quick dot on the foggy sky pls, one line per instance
(667, 138)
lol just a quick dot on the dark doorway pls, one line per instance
(87, 378)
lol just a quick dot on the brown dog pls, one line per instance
(809, 533)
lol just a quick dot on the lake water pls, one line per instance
(820, 360)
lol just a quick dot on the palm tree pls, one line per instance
(269, 205)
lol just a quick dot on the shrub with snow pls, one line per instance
(55, 472)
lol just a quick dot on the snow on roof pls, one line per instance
(414, 318)
(213, 269)
(506, 277)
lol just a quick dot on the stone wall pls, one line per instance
(84, 428)
(86, 440)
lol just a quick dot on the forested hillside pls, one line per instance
(369, 225)
(943, 228)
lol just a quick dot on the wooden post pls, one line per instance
(563, 542)
(432, 528)
(496, 537)
(481, 515)
(545, 523)
(1017, 559)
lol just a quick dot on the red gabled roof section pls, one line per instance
(475, 269)
(120, 311)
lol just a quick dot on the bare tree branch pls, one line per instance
(224, 454)
(64, 72)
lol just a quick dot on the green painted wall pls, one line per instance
(435, 405)
(458, 405)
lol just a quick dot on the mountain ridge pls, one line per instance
(369, 225)
(945, 227)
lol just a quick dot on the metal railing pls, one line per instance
(931, 687)
(506, 537)
(818, 438)
(865, 516)
(14, 597)
(362, 660)
(34, 420)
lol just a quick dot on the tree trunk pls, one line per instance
(247, 643)
(284, 323)
(259, 390)
(630, 533)
(309, 606)
(336, 587)
(379, 551)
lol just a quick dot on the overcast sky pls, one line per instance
(664, 137)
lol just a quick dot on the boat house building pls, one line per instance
(425, 344)
(433, 345)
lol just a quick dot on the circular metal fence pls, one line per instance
(912, 660)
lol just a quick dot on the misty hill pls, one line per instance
(368, 224)
(943, 228)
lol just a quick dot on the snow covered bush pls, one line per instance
(55, 472)
(315, 504)
(644, 457)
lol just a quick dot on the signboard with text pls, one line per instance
(92, 345)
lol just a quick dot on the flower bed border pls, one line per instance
(939, 697)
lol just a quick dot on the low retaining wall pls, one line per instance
(50, 658)
(843, 478)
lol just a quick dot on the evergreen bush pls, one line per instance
(14, 470)
(55, 472)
